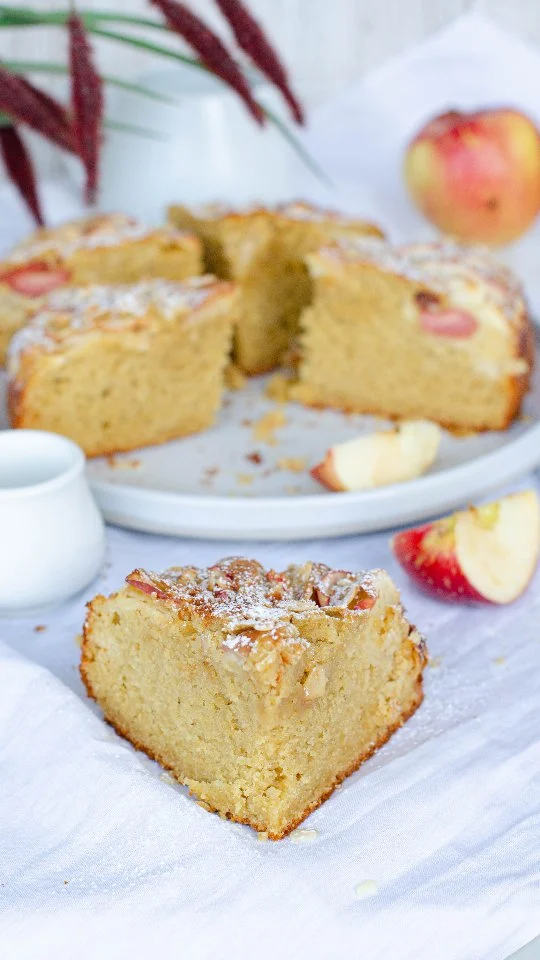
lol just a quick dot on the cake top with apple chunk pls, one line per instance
(253, 604)
(73, 312)
(459, 273)
(103, 230)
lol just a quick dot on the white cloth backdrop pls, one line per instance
(101, 856)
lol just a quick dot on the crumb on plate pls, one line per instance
(265, 428)
(277, 388)
(293, 464)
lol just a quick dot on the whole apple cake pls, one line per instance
(263, 250)
(432, 330)
(118, 367)
(259, 690)
(108, 248)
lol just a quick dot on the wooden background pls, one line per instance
(326, 43)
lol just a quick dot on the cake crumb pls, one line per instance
(78, 638)
(500, 661)
(277, 388)
(434, 662)
(265, 428)
(254, 457)
(166, 777)
(234, 378)
(293, 464)
(133, 463)
(66, 882)
(244, 479)
(304, 836)
(368, 888)
(40, 628)
(262, 836)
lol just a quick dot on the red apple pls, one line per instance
(35, 280)
(388, 456)
(485, 554)
(476, 176)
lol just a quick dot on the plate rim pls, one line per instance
(515, 457)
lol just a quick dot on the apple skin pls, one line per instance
(380, 458)
(485, 554)
(476, 176)
(434, 567)
(35, 280)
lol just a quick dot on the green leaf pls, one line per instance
(146, 45)
(15, 17)
(298, 147)
(133, 128)
(38, 66)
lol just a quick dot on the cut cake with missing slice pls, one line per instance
(260, 691)
(262, 249)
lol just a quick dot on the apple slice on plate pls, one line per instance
(388, 456)
(485, 554)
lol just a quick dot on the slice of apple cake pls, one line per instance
(259, 690)
(107, 248)
(432, 331)
(263, 250)
(116, 368)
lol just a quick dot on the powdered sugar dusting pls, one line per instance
(441, 266)
(74, 311)
(256, 605)
(105, 230)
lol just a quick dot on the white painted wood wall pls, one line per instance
(326, 43)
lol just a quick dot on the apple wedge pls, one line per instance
(388, 456)
(486, 554)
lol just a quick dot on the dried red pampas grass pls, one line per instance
(210, 50)
(253, 41)
(20, 170)
(25, 104)
(86, 103)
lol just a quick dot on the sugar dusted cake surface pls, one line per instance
(91, 233)
(426, 330)
(446, 267)
(260, 690)
(253, 604)
(72, 312)
(120, 367)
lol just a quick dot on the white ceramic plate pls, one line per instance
(209, 486)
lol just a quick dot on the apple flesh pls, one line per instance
(388, 456)
(485, 554)
(476, 176)
(35, 280)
